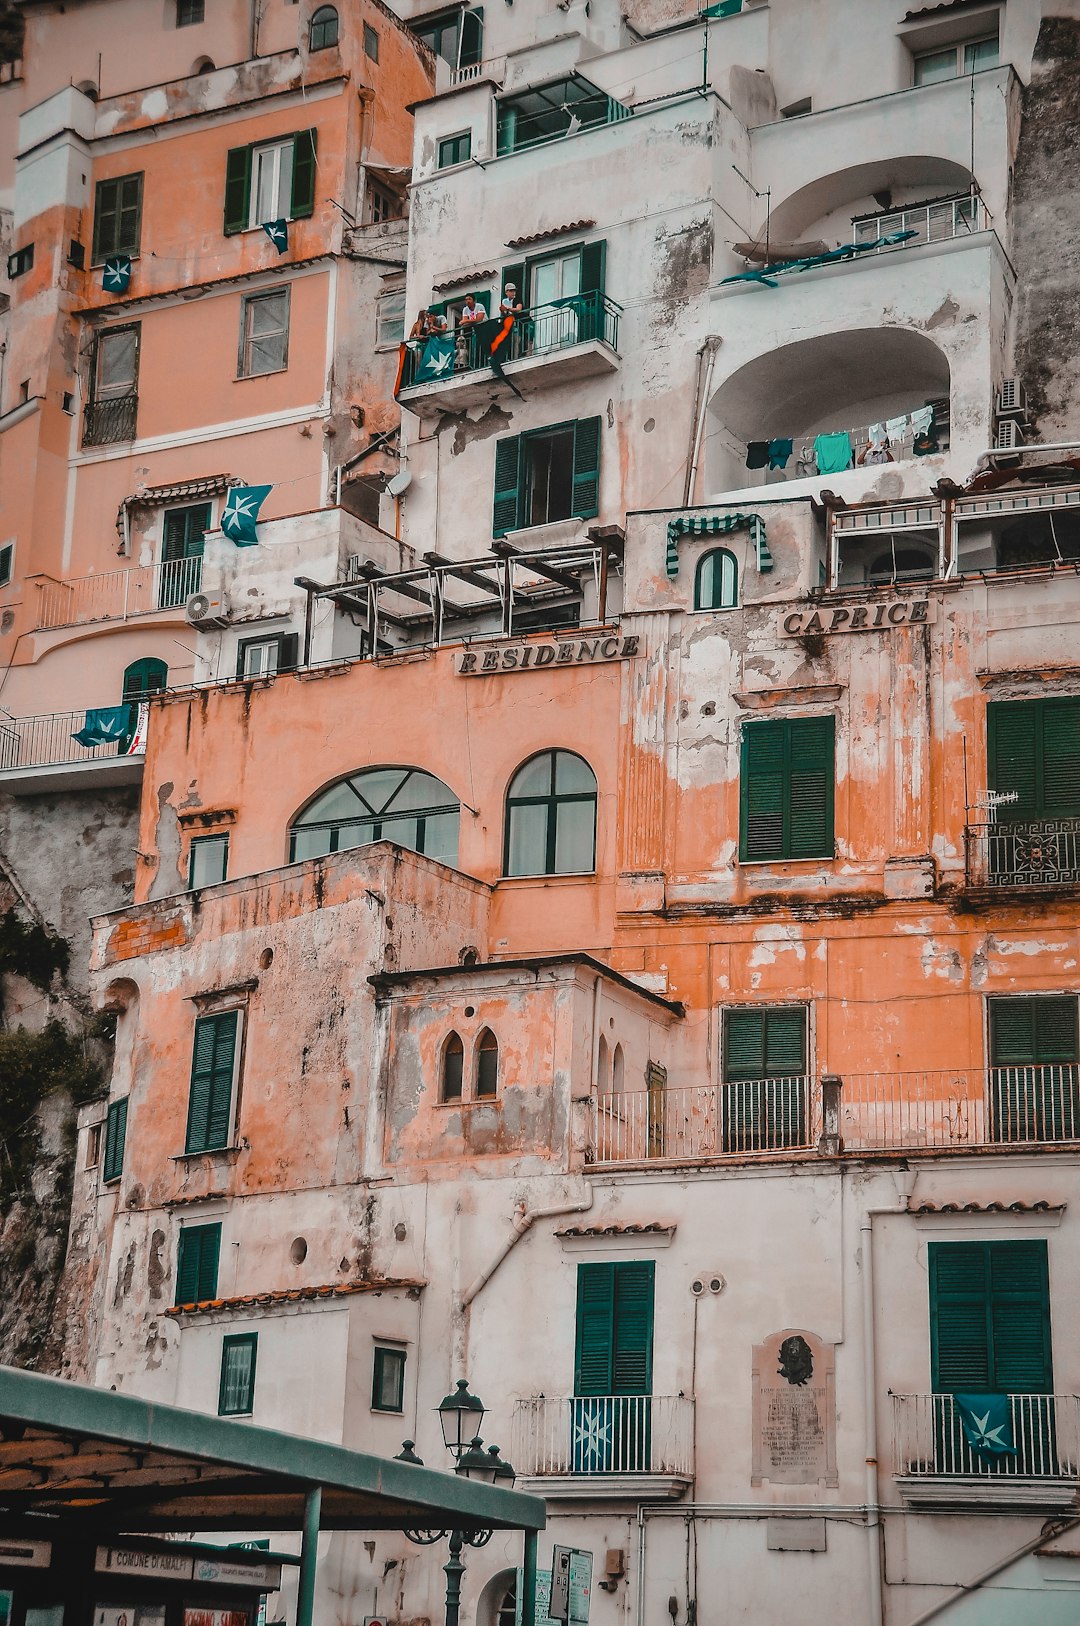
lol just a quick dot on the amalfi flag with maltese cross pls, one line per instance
(987, 1424)
(437, 360)
(116, 274)
(240, 513)
(278, 233)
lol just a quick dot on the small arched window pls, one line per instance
(324, 29)
(404, 805)
(487, 1066)
(602, 1065)
(452, 1070)
(148, 676)
(716, 586)
(551, 817)
(618, 1071)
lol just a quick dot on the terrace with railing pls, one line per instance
(109, 420)
(116, 595)
(43, 753)
(933, 1458)
(935, 1111)
(578, 1438)
(932, 222)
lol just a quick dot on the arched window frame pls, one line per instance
(140, 672)
(486, 1074)
(452, 1068)
(618, 1070)
(552, 800)
(727, 570)
(603, 1068)
(384, 820)
(323, 29)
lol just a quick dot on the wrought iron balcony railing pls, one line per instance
(929, 1441)
(49, 740)
(604, 1434)
(117, 595)
(539, 331)
(110, 420)
(1037, 852)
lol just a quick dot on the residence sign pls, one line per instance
(521, 657)
(880, 617)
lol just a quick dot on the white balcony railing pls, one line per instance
(117, 595)
(858, 1112)
(604, 1434)
(934, 222)
(493, 67)
(930, 1443)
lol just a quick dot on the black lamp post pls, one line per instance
(460, 1415)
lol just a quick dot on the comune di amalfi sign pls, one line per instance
(880, 616)
(522, 657)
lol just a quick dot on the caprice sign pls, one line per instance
(882, 617)
(521, 657)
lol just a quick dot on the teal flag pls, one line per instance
(987, 1424)
(106, 725)
(437, 360)
(240, 513)
(278, 233)
(116, 274)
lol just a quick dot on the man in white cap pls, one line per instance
(509, 304)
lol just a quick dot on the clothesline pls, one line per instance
(833, 450)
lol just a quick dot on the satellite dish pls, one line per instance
(399, 484)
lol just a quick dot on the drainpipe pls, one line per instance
(965, 1588)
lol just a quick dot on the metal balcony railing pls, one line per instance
(931, 222)
(117, 595)
(604, 1434)
(859, 1112)
(930, 1443)
(1038, 852)
(110, 420)
(538, 331)
(48, 741)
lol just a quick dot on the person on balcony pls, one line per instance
(471, 312)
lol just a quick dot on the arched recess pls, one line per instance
(487, 1066)
(603, 1067)
(203, 64)
(451, 1068)
(406, 805)
(824, 207)
(497, 1603)
(618, 1071)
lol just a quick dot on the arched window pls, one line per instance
(487, 1066)
(551, 817)
(404, 805)
(602, 1065)
(205, 64)
(324, 29)
(452, 1069)
(148, 676)
(716, 586)
(618, 1071)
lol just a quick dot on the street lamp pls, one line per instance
(460, 1415)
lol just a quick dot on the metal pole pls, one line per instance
(453, 1569)
(309, 1552)
(528, 1580)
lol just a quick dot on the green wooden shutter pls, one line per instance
(212, 1067)
(632, 1329)
(1060, 758)
(507, 504)
(237, 189)
(761, 791)
(591, 320)
(115, 1136)
(1028, 1031)
(106, 209)
(1012, 728)
(990, 1317)
(595, 1312)
(744, 1045)
(303, 174)
(148, 676)
(811, 750)
(129, 214)
(586, 497)
(197, 1264)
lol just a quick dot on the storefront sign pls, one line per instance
(229, 1570)
(34, 1555)
(160, 1565)
(880, 617)
(524, 656)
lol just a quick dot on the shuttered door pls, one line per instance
(990, 1317)
(1061, 758)
(1034, 1067)
(810, 771)
(115, 1136)
(303, 175)
(786, 789)
(764, 1103)
(507, 503)
(591, 310)
(761, 791)
(1033, 751)
(237, 189)
(611, 1414)
(586, 496)
(197, 1264)
(212, 1067)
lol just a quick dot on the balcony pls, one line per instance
(105, 422)
(604, 1446)
(937, 1111)
(1035, 853)
(549, 344)
(41, 754)
(933, 222)
(935, 1467)
(116, 595)
(470, 73)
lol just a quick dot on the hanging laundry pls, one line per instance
(876, 434)
(757, 454)
(779, 453)
(921, 420)
(240, 513)
(278, 233)
(897, 428)
(806, 462)
(833, 452)
(926, 436)
(116, 274)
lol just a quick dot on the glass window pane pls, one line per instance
(441, 837)
(575, 833)
(380, 786)
(421, 790)
(936, 65)
(116, 362)
(527, 847)
(209, 860)
(267, 315)
(340, 801)
(309, 844)
(348, 836)
(388, 1386)
(572, 773)
(980, 54)
(534, 779)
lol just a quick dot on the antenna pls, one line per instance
(767, 195)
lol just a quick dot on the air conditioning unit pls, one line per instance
(1012, 401)
(1009, 436)
(205, 612)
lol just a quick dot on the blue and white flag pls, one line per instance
(107, 725)
(437, 360)
(987, 1424)
(278, 233)
(240, 513)
(116, 274)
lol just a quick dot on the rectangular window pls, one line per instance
(547, 475)
(262, 657)
(115, 370)
(388, 1379)
(611, 1414)
(1033, 754)
(455, 149)
(213, 1073)
(968, 57)
(546, 112)
(786, 789)
(183, 531)
(764, 1102)
(21, 261)
(271, 180)
(197, 1264)
(264, 333)
(93, 1146)
(371, 42)
(7, 563)
(236, 1394)
(115, 1136)
(117, 217)
(208, 860)
(1034, 1067)
(389, 320)
(188, 12)
(381, 204)
(457, 36)
(990, 1318)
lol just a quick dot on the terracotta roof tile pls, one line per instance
(990, 1208)
(552, 231)
(297, 1295)
(654, 1227)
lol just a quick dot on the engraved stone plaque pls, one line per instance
(794, 1411)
